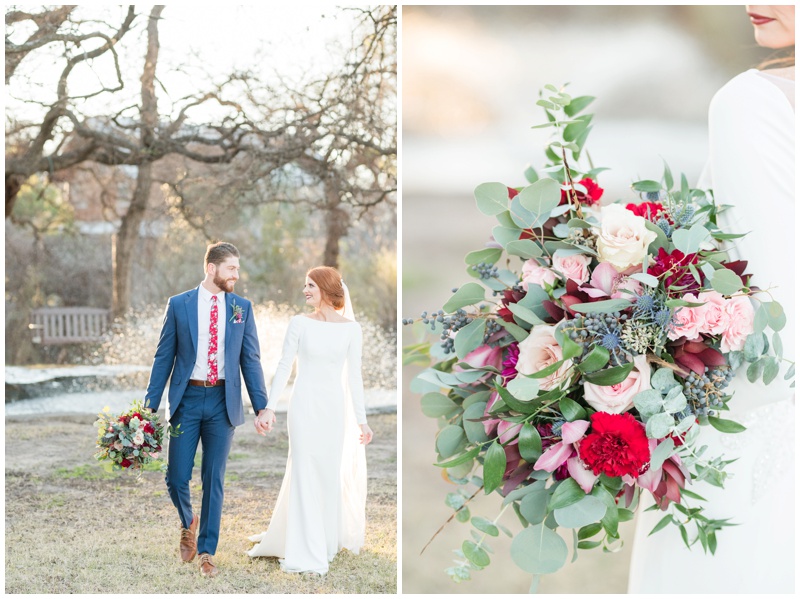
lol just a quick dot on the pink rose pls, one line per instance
(540, 350)
(574, 266)
(741, 315)
(532, 272)
(713, 318)
(616, 399)
(687, 321)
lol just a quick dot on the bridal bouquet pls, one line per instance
(131, 440)
(609, 336)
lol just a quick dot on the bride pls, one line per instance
(751, 168)
(322, 502)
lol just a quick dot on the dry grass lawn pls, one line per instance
(71, 527)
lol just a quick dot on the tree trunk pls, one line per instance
(127, 237)
(128, 234)
(336, 223)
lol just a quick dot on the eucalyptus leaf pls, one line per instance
(475, 431)
(539, 550)
(753, 346)
(525, 248)
(726, 281)
(659, 425)
(649, 402)
(586, 511)
(469, 337)
(770, 370)
(475, 554)
(435, 405)
(605, 306)
(533, 506)
(492, 198)
(523, 388)
(645, 278)
(486, 255)
(468, 294)
(525, 314)
(450, 440)
(541, 197)
(485, 525)
(689, 241)
(663, 379)
(505, 235)
(578, 104)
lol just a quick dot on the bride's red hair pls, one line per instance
(329, 281)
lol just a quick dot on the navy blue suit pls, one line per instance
(205, 414)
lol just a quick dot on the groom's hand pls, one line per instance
(264, 421)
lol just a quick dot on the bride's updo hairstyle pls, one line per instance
(329, 281)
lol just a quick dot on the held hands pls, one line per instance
(264, 421)
(366, 434)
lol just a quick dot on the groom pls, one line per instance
(208, 335)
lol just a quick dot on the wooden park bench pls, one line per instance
(59, 326)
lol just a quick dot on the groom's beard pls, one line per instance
(225, 284)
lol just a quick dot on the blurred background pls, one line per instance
(263, 126)
(471, 76)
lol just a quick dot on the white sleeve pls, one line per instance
(354, 379)
(290, 345)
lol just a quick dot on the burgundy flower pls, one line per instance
(675, 268)
(593, 193)
(652, 211)
(616, 446)
(148, 428)
(510, 296)
(126, 463)
(512, 193)
(510, 361)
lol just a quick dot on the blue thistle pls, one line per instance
(610, 341)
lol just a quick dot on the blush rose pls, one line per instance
(616, 399)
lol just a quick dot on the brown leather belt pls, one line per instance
(196, 383)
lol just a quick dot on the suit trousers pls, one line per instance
(203, 417)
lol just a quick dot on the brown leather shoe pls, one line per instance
(207, 567)
(188, 543)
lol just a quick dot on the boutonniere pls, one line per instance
(238, 313)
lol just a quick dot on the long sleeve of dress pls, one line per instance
(752, 166)
(354, 379)
(290, 345)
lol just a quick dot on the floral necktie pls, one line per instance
(212, 343)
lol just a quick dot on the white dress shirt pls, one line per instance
(200, 371)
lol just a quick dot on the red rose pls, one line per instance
(126, 463)
(137, 415)
(148, 428)
(512, 193)
(593, 193)
(616, 446)
(124, 420)
(650, 210)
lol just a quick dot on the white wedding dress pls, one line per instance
(322, 502)
(751, 167)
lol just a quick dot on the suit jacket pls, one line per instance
(177, 351)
